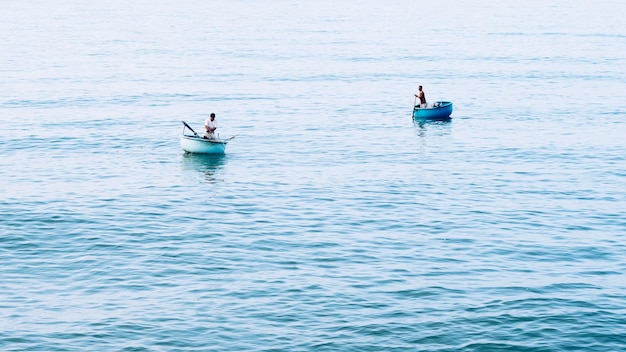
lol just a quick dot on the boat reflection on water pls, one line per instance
(424, 127)
(424, 123)
(207, 164)
(421, 123)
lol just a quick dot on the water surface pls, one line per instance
(335, 221)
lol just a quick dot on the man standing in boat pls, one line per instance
(420, 94)
(210, 125)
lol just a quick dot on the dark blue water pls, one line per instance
(335, 222)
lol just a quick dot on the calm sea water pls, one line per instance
(334, 222)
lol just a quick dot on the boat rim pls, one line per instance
(202, 139)
(442, 104)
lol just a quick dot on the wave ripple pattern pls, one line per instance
(335, 222)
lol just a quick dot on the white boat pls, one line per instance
(193, 143)
(201, 145)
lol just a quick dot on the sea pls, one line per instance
(335, 221)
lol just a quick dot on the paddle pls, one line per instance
(189, 127)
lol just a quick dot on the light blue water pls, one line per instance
(335, 222)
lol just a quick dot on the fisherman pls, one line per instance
(210, 125)
(420, 94)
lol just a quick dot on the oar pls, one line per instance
(227, 139)
(189, 127)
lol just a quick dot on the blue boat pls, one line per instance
(440, 110)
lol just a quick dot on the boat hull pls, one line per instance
(440, 111)
(199, 145)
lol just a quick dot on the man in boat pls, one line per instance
(420, 94)
(210, 125)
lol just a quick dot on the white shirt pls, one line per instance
(210, 124)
